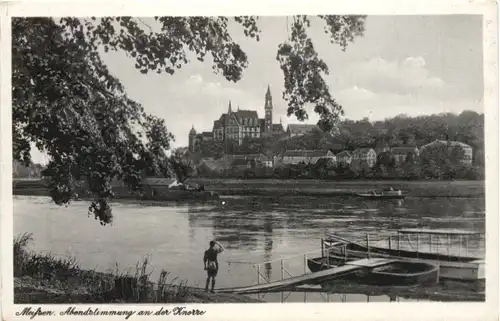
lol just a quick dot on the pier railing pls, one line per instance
(446, 245)
(287, 267)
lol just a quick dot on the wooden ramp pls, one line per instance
(311, 278)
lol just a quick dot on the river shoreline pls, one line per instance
(311, 188)
(47, 279)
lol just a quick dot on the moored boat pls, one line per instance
(182, 195)
(376, 196)
(457, 267)
(397, 273)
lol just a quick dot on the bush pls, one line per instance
(65, 275)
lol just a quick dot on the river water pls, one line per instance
(252, 229)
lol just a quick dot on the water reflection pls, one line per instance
(253, 229)
(268, 245)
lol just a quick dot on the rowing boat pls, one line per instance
(451, 266)
(397, 273)
(381, 196)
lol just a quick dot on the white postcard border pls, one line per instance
(286, 311)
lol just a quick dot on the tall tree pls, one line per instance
(66, 101)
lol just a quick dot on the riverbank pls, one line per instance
(325, 188)
(308, 187)
(44, 279)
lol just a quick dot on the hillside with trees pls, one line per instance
(399, 131)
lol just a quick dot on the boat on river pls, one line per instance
(451, 266)
(385, 194)
(395, 273)
(181, 195)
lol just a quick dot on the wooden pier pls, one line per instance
(310, 278)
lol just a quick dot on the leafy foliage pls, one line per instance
(182, 166)
(67, 103)
(303, 69)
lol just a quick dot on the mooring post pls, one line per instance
(258, 273)
(390, 245)
(368, 244)
(466, 245)
(460, 240)
(399, 241)
(449, 245)
(282, 270)
(305, 263)
(322, 248)
(418, 243)
(430, 243)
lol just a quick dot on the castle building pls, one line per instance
(240, 124)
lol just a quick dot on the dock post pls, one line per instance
(466, 245)
(418, 243)
(399, 241)
(327, 257)
(282, 270)
(460, 240)
(390, 245)
(430, 243)
(449, 245)
(305, 263)
(322, 248)
(282, 295)
(368, 244)
(258, 274)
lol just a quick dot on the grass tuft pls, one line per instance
(64, 276)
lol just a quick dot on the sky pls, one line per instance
(414, 65)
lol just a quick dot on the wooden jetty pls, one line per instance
(311, 278)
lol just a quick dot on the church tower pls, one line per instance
(269, 111)
(192, 136)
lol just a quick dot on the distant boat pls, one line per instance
(455, 267)
(385, 194)
(181, 195)
(396, 273)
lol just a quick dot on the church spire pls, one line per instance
(229, 108)
(268, 93)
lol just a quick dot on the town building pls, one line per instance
(236, 125)
(344, 158)
(259, 159)
(363, 158)
(304, 156)
(401, 153)
(326, 162)
(300, 129)
(467, 150)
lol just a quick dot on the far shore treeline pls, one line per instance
(400, 131)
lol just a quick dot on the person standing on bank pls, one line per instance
(211, 263)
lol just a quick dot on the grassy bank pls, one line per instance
(45, 278)
(309, 187)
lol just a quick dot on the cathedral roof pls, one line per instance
(246, 114)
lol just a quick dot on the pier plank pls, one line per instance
(311, 278)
